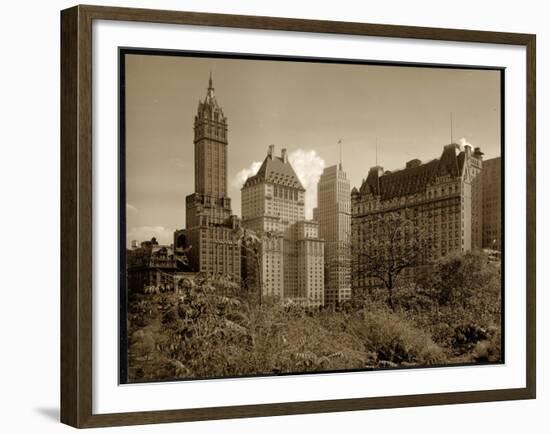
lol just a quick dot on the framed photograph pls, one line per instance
(267, 216)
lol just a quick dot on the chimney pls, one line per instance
(284, 155)
(373, 179)
(379, 170)
(413, 163)
(478, 153)
(270, 151)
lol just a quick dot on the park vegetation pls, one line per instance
(449, 314)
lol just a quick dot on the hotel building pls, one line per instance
(292, 254)
(210, 227)
(443, 196)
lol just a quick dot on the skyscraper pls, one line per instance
(211, 229)
(292, 255)
(492, 203)
(333, 213)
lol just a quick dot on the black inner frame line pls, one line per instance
(122, 284)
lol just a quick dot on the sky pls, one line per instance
(389, 114)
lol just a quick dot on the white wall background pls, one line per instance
(29, 217)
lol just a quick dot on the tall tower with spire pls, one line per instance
(210, 225)
(210, 141)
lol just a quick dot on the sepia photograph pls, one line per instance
(285, 216)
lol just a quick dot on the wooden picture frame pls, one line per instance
(77, 205)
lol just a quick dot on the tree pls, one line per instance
(467, 288)
(252, 245)
(393, 244)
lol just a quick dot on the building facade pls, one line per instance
(292, 254)
(211, 230)
(442, 198)
(492, 204)
(333, 213)
(150, 267)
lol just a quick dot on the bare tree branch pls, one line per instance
(400, 244)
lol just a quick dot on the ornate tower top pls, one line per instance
(210, 146)
(209, 107)
(210, 96)
(210, 121)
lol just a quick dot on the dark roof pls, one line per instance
(448, 163)
(276, 171)
(413, 180)
(407, 181)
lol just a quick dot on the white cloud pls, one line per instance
(309, 166)
(463, 142)
(243, 174)
(130, 208)
(145, 233)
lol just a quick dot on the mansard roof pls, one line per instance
(276, 170)
(407, 181)
(412, 180)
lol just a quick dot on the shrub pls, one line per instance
(489, 350)
(207, 329)
(457, 300)
(397, 340)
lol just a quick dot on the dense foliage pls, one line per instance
(449, 315)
